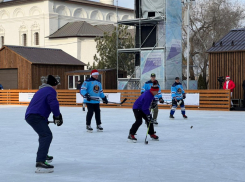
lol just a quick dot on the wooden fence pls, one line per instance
(209, 99)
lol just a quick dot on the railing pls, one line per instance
(209, 99)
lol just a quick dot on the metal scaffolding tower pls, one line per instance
(140, 22)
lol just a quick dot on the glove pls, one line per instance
(153, 104)
(161, 100)
(149, 118)
(58, 120)
(105, 101)
(175, 99)
(87, 96)
(184, 95)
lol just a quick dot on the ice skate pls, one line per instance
(171, 116)
(154, 137)
(184, 116)
(49, 159)
(154, 121)
(44, 167)
(131, 138)
(99, 128)
(89, 129)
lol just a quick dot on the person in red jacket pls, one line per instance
(229, 85)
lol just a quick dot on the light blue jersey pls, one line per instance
(92, 87)
(177, 91)
(147, 86)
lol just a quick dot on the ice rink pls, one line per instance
(212, 151)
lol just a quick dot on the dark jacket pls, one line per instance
(79, 86)
(44, 102)
(243, 85)
(1, 87)
(144, 101)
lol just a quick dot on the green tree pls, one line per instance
(201, 82)
(107, 50)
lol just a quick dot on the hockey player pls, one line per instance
(158, 96)
(141, 110)
(178, 94)
(92, 91)
(42, 104)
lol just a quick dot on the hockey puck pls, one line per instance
(191, 127)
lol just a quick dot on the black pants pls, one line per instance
(40, 125)
(243, 98)
(91, 109)
(138, 116)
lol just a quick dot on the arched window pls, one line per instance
(1, 41)
(96, 15)
(24, 40)
(36, 38)
(110, 17)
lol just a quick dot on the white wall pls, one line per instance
(16, 20)
(46, 17)
(88, 50)
(69, 45)
(69, 12)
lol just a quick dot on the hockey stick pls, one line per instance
(124, 100)
(146, 142)
(178, 103)
(167, 103)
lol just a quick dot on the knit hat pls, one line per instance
(155, 86)
(52, 81)
(153, 75)
(227, 77)
(176, 78)
(94, 72)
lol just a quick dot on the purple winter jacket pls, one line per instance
(144, 101)
(43, 103)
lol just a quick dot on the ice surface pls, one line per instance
(212, 151)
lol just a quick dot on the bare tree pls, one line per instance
(210, 20)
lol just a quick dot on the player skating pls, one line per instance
(92, 91)
(158, 96)
(42, 104)
(178, 94)
(141, 110)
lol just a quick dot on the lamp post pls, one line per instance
(188, 3)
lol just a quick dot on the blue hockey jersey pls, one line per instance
(147, 86)
(177, 91)
(94, 89)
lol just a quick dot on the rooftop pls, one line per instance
(45, 55)
(233, 41)
(77, 29)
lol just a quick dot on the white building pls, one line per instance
(31, 22)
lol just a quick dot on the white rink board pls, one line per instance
(191, 99)
(112, 97)
(25, 97)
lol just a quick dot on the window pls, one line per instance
(1, 41)
(72, 81)
(24, 41)
(36, 38)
